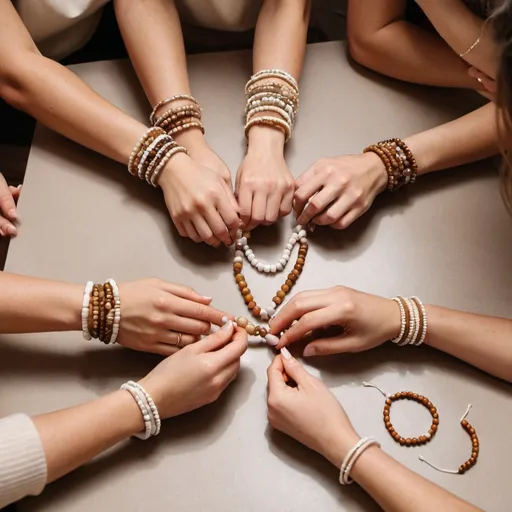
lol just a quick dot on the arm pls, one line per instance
(370, 321)
(381, 39)
(354, 181)
(58, 98)
(264, 183)
(460, 35)
(312, 415)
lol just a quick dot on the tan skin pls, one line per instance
(343, 188)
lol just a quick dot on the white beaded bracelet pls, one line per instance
(117, 308)
(140, 168)
(402, 320)
(273, 73)
(351, 458)
(139, 397)
(423, 313)
(85, 310)
(157, 423)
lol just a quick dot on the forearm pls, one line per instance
(394, 49)
(60, 100)
(467, 139)
(462, 33)
(398, 489)
(36, 305)
(72, 437)
(482, 341)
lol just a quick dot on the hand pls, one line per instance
(345, 188)
(201, 204)
(8, 214)
(309, 413)
(264, 184)
(487, 86)
(198, 374)
(366, 320)
(154, 312)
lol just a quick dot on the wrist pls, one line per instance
(175, 164)
(377, 171)
(392, 319)
(338, 448)
(129, 412)
(192, 139)
(265, 138)
(70, 311)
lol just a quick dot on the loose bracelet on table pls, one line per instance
(352, 456)
(148, 409)
(272, 97)
(151, 153)
(101, 311)
(413, 318)
(398, 160)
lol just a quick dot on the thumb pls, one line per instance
(293, 368)
(328, 346)
(217, 340)
(275, 374)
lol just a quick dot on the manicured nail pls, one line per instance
(286, 353)
(209, 299)
(271, 340)
(309, 351)
(224, 319)
(12, 214)
(11, 230)
(227, 326)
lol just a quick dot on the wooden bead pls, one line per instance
(242, 284)
(423, 439)
(285, 288)
(256, 310)
(242, 321)
(277, 300)
(296, 273)
(251, 305)
(414, 441)
(388, 402)
(250, 328)
(281, 294)
(300, 261)
(408, 442)
(239, 278)
(388, 425)
(289, 283)
(238, 265)
(263, 332)
(409, 394)
(386, 419)
(248, 298)
(292, 276)
(401, 441)
(246, 291)
(435, 422)
(464, 423)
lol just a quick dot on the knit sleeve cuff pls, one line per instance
(23, 469)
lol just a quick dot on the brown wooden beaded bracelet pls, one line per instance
(475, 449)
(408, 395)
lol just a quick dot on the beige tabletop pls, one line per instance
(449, 241)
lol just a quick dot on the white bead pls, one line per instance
(273, 268)
(298, 228)
(271, 310)
(245, 247)
(239, 253)
(255, 262)
(147, 417)
(302, 233)
(267, 268)
(304, 240)
(250, 257)
(260, 267)
(243, 240)
(238, 259)
(286, 253)
(279, 267)
(264, 314)
(283, 262)
(289, 247)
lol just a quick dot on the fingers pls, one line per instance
(294, 369)
(245, 205)
(191, 231)
(258, 209)
(7, 228)
(275, 375)
(229, 215)
(287, 203)
(216, 340)
(7, 205)
(233, 351)
(187, 324)
(273, 208)
(295, 308)
(333, 345)
(218, 226)
(320, 318)
(204, 231)
(348, 219)
(185, 292)
(15, 191)
(305, 193)
(199, 312)
(334, 212)
(171, 338)
(164, 350)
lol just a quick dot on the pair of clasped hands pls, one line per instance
(199, 371)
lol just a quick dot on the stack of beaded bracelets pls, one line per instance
(101, 311)
(151, 153)
(275, 94)
(400, 163)
(178, 119)
(352, 456)
(152, 422)
(413, 316)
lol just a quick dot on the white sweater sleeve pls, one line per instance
(22, 459)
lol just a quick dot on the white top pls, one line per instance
(59, 27)
(22, 459)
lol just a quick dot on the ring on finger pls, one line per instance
(178, 343)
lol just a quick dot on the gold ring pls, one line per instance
(480, 80)
(178, 344)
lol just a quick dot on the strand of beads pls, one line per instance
(265, 313)
(243, 249)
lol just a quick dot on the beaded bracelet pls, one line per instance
(273, 122)
(273, 73)
(398, 160)
(352, 456)
(148, 418)
(169, 120)
(85, 310)
(413, 322)
(166, 101)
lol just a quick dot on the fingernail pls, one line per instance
(207, 298)
(271, 340)
(286, 353)
(227, 326)
(12, 214)
(11, 230)
(224, 319)
(309, 351)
